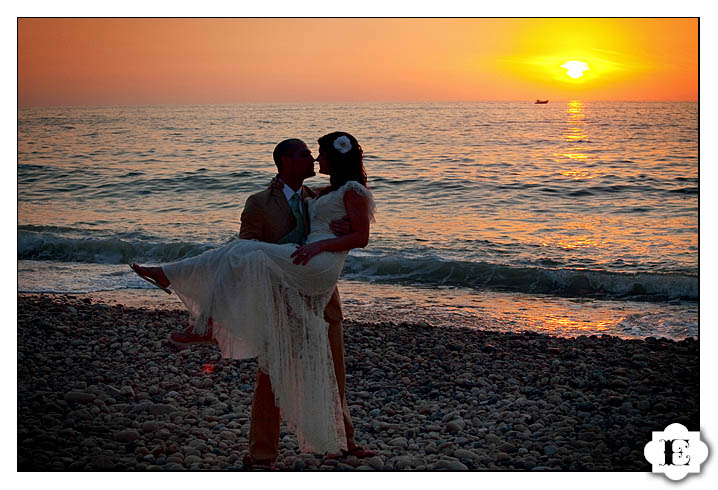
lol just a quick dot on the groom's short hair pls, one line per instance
(283, 148)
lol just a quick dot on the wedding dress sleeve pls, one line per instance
(364, 192)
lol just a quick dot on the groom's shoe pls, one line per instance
(257, 464)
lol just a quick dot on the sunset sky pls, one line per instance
(214, 61)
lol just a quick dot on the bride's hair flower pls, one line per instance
(342, 144)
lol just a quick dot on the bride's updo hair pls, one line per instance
(346, 166)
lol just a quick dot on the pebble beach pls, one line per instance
(99, 387)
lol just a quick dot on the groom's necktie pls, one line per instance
(294, 204)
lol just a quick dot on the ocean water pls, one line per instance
(568, 218)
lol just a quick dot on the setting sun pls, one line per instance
(575, 69)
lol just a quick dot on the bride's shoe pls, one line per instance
(137, 270)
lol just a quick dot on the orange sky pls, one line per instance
(206, 61)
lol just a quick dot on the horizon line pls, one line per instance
(178, 104)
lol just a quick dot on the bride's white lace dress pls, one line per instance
(264, 305)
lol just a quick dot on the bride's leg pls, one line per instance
(155, 273)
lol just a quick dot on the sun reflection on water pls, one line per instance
(575, 133)
(583, 242)
(509, 312)
(578, 174)
(557, 325)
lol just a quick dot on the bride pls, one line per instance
(267, 300)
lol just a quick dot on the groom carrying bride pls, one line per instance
(279, 215)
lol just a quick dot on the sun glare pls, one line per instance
(575, 69)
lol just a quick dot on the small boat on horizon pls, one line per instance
(541, 101)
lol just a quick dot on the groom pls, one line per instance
(275, 215)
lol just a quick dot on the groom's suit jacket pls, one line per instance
(267, 217)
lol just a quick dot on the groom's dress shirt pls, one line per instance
(299, 234)
(289, 193)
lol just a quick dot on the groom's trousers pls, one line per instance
(264, 424)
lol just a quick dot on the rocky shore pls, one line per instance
(100, 388)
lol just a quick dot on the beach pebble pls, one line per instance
(79, 397)
(587, 436)
(228, 435)
(127, 391)
(161, 409)
(457, 466)
(197, 444)
(125, 436)
(191, 460)
(175, 458)
(550, 450)
(112, 392)
(449, 416)
(402, 462)
(465, 454)
(376, 462)
(150, 426)
(103, 462)
(400, 442)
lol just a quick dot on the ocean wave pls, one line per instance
(393, 268)
(51, 247)
(530, 280)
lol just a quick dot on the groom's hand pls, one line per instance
(341, 227)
